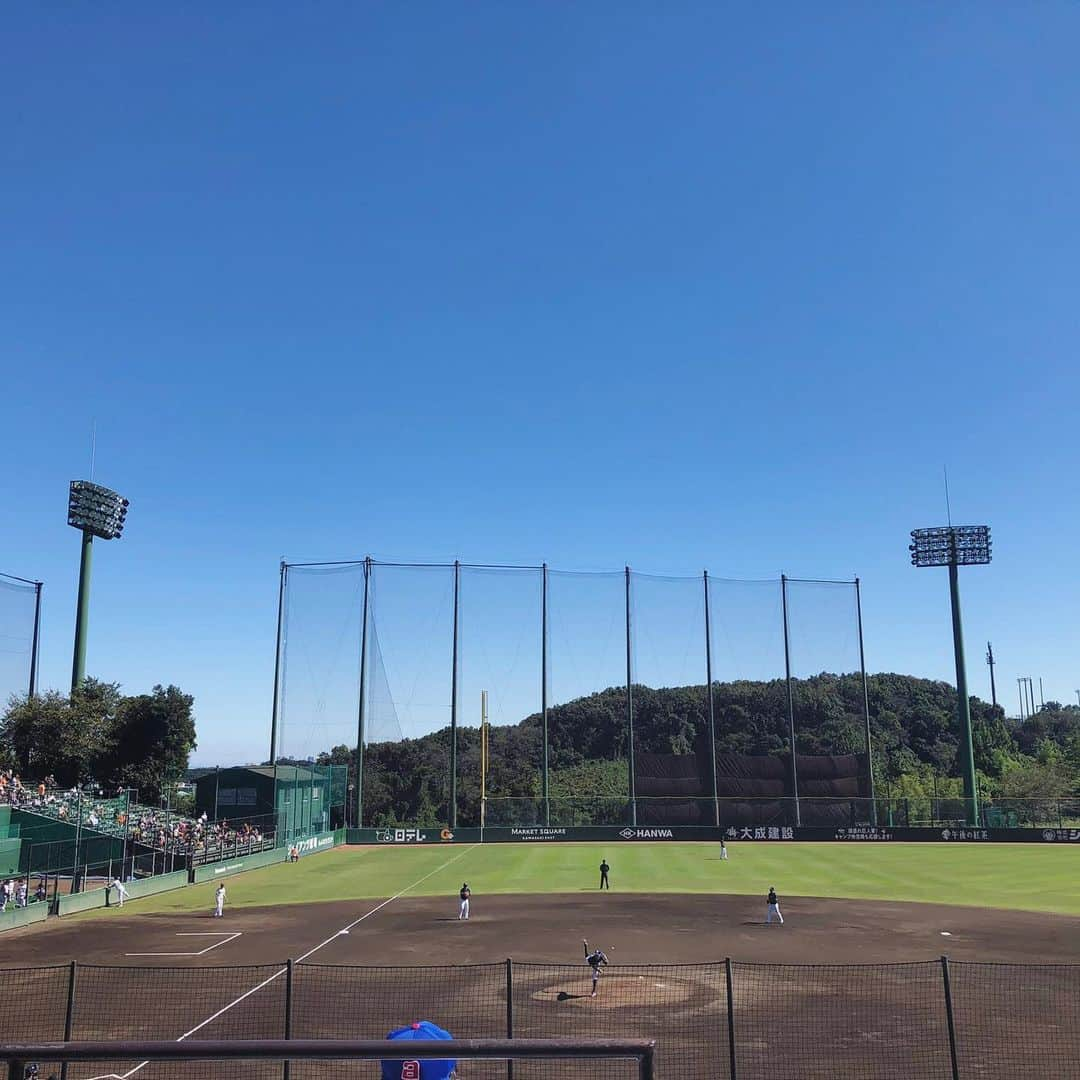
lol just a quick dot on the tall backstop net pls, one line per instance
(612, 697)
(20, 616)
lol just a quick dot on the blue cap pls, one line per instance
(428, 1070)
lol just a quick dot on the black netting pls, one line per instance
(176, 1003)
(885, 1021)
(18, 601)
(369, 1002)
(683, 1007)
(36, 1004)
(888, 1022)
(1016, 1021)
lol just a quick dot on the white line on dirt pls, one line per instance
(227, 938)
(299, 959)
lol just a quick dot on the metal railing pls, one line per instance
(20, 1057)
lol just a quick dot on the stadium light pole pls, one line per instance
(955, 546)
(95, 511)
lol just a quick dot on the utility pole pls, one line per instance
(990, 661)
(1042, 700)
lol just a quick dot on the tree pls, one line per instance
(154, 736)
(67, 737)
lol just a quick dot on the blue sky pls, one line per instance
(598, 284)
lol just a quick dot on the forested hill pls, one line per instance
(913, 726)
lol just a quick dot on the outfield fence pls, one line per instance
(938, 1020)
(925, 812)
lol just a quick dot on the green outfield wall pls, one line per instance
(406, 835)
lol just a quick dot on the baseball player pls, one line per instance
(774, 907)
(121, 892)
(723, 850)
(465, 894)
(219, 901)
(595, 960)
(604, 868)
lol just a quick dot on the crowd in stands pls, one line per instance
(117, 815)
(16, 893)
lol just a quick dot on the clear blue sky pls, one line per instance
(700, 286)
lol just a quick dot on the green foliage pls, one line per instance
(913, 728)
(97, 734)
(153, 736)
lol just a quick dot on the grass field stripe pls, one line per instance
(311, 952)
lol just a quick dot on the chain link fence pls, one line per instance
(936, 1020)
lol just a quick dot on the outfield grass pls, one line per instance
(1029, 877)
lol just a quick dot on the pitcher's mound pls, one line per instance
(619, 991)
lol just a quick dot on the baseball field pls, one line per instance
(850, 986)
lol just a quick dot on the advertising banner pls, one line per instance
(541, 834)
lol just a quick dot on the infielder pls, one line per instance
(594, 959)
(774, 907)
(219, 901)
(121, 892)
(465, 893)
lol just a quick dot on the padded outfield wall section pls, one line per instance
(705, 834)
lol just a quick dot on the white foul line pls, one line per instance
(227, 938)
(299, 959)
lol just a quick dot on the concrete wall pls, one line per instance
(13, 918)
(99, 898)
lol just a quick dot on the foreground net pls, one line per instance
(881, 1021)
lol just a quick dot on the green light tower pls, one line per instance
(95, 511)
(954, 546)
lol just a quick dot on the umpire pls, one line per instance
(604, 868)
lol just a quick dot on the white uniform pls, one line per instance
(464, 894)
(121, 892)
(219, 901)
(723, 850)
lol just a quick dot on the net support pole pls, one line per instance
(360, 717)
(69, 1014)
(509, 1013)
(790, 699)
(963, 705)
(630, 706)
(946, 982)
(285, 1065)
(730, 980)
(866, 704)
(35, 645)
(544, 778)
(277, 663)
(82, 611)
(454, 699)
(710, 703)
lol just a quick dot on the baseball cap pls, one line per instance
(428, 1070)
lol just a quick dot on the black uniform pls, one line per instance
(604, 868)
(595, 960)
